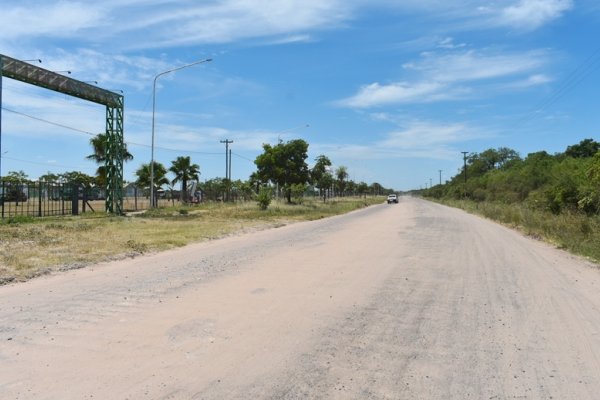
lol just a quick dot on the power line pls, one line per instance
(39, 163)
(578, 75)
(49, 122)
(95, 134)
(242, 157)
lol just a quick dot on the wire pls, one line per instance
(242, 157)
(578, 75)
(95, 134)
(49, 122)
(40, 163)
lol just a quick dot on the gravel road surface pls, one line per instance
(403, 301)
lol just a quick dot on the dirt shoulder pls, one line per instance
(34, 247)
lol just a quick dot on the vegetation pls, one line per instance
(99, 145)
(556, 196)
(184, 171)
(284, 164)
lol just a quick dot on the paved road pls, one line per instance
(406, 301)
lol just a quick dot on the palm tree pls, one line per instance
(184, 171)
(143, 174)
(99, 144)
(342, 174)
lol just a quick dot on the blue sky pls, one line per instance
(393, 90)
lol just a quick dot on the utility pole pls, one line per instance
(440, 176)
(465, 161)
(430, 183)
(465, 169)
(227, 142)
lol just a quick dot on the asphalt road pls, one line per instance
(404, 301)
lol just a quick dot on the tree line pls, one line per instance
(568, 181)
(280, 169)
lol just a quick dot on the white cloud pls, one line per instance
(443, 76)
(532, 14)
(472, 65)
(448, 43)
(57, 19)
(417, 138)
(400, 92)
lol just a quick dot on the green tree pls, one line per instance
(376, 189)
(213, 189)
(320, 175)
(184, 171)
(143, 175)
(585, 148)
(341, 174)
(16, 177)
(99, 145)
(284, 164)
(77, 177)
(362, 188)
(49, 177)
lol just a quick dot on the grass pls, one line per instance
(31, 247)
(575, 232)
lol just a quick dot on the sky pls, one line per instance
(392, 90)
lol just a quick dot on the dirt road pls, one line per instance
(407, 301)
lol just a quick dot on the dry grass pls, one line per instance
(30, 247)
(575, 232)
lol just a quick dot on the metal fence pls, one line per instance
(41, 199)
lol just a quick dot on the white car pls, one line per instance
(392, 198)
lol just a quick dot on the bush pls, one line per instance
(264, 198)
(298, 190)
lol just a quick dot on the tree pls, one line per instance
(184, 171)
(341, 175)
(49, 177)
(320, 175)
(77, 177)
(284, 164)
(19, 177)
(585, 148)
(160, 175)
(99, 144)
(362, 188)
(376, 189)
(213, 189)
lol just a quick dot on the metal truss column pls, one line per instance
(114, 159)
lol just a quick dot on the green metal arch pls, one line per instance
(114, 102)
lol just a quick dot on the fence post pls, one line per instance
(39, 198)
(75, 199)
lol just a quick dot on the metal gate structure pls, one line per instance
(34, 75)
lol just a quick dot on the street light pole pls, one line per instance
(440, 171)
(152, 200)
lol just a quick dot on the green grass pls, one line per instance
(33, 246)
(575, 232)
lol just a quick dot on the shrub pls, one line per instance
(264, 198)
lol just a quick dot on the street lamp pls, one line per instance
(153, 112)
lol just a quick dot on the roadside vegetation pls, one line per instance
(31, 247)
(551, 196)
(283, 189)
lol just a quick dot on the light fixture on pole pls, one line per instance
(152, 200)
(34, 60)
